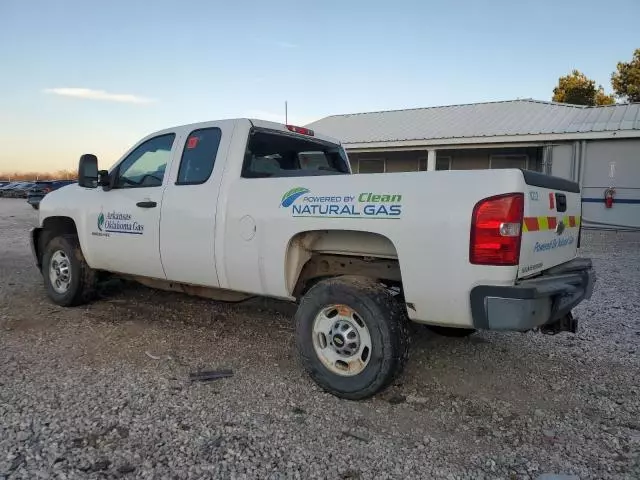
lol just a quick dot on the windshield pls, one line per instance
(273, 154)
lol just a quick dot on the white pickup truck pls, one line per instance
(238, 208)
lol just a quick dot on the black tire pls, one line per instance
(451, 331)
(387, 324)
(82, 279)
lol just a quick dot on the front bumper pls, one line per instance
(34, 238)
(536, 302)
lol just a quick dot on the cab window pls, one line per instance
(274, 154)
(199, 156)
(146, 165)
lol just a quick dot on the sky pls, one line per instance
(80, 76)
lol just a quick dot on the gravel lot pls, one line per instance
(82, 397)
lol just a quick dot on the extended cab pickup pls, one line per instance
(237, 208)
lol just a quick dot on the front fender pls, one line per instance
(63, 211)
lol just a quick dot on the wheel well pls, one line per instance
(51, 227)
(316, 255)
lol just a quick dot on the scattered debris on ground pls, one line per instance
(80, 399)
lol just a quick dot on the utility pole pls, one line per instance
(286, 113)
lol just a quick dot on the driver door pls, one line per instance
(124, 230)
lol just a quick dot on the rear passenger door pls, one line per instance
(189, 207)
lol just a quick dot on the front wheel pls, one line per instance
(68, 279)
(353, 336)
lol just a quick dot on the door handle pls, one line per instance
(147, 204)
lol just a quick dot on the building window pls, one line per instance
(443, 163)
(508, 161)
(372, 165)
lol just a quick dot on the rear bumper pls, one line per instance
(533, 303)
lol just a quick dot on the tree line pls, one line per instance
(36, 175)
(576, 88)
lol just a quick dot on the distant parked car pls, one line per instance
(40, 189)
(7, 190)
(21, 190)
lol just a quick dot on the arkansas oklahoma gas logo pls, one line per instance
(117, 222)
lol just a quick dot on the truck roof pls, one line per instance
(256, 123)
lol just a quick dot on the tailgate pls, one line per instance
(551, 224)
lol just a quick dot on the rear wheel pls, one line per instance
(67, 278)
(353, 336)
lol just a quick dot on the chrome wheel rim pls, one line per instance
(341, 340)
(60, 272)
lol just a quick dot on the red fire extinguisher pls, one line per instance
(608, 197)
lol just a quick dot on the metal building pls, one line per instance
(599, 147)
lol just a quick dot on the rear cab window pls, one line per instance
(272, 154)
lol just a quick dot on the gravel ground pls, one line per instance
(102, 391)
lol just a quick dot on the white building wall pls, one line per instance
(611, 163)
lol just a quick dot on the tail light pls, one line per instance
(46, 189)
(496, 230)
(300, 130)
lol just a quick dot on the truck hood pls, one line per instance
(64, 201)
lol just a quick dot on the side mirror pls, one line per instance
(88, 171)
(104, 180)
